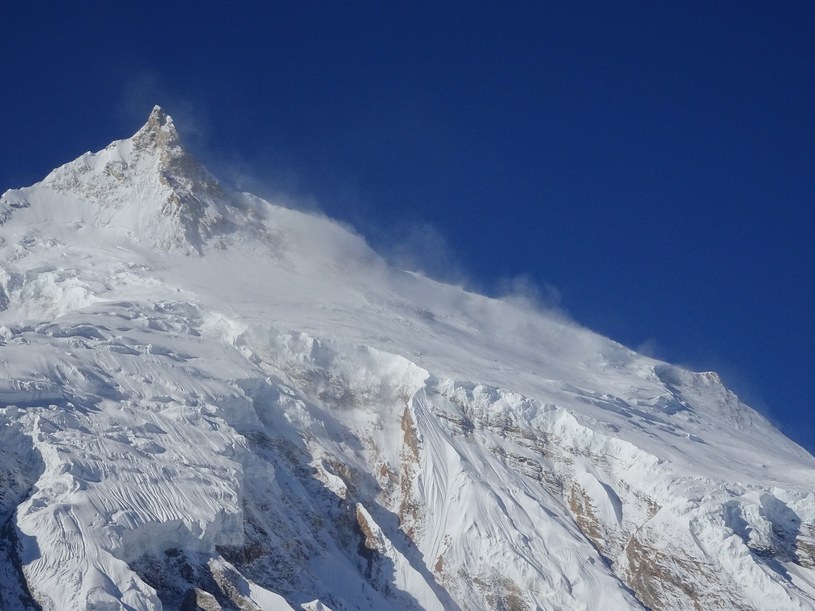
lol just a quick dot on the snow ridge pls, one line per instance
(210, 401)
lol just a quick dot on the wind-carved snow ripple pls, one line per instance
(20, 468)
(146, 434)
(135, 455)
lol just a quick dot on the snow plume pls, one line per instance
(650, 347)
(269, 174)
(525, 292)
(418, 246)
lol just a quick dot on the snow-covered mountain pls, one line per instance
(209, 401)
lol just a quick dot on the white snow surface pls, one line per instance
(207, 394)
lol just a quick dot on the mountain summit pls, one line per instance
(159, 132)
(147, 188)
(209, 401)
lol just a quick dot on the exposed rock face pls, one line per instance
(211, 402)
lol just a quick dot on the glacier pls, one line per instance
(210, 401)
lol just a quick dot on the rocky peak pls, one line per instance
(158, 133)
(195, 199)
(159, 140)
(148, 186)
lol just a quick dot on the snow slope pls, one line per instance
(210, 401)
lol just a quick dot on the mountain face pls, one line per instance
(209, 401)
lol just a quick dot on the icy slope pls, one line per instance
(211, 400)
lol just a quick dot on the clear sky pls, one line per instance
(651, 165)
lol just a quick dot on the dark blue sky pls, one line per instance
(653, 162)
